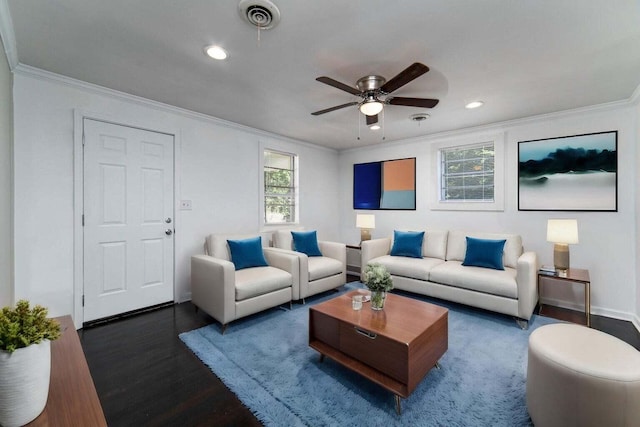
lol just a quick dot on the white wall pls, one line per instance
(607, 239)
(6, 108)
(217, 168)
(637, 194)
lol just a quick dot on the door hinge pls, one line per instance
(83, 220)
(83, 300)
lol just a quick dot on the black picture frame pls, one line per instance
(385, 185)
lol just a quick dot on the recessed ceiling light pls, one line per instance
(216, 52)
(374, 127)
(474, 104)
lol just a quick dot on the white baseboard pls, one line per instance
(599, 311)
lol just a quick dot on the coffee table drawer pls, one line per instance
(386, 355)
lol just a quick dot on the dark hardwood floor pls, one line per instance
(146, 376)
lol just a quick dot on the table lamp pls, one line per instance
(366, 223)
(562, 232)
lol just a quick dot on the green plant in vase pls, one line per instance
(25, 362)
(379, 282)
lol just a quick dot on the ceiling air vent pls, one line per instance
(259, 13)
(420, 117)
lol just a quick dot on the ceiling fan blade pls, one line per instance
(372, 119)
(329, 81)
(412, 72)
(413, 102)
(337, 107)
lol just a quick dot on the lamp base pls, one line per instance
(365, 234)
(561, 256)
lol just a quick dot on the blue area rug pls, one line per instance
(266, 361)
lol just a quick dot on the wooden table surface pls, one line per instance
(73, 400)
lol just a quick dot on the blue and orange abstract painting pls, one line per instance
(390, 184)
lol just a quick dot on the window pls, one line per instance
(467, 173)
(279, 187)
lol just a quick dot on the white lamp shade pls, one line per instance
(371, 108)
(366, 221)
(562, 231)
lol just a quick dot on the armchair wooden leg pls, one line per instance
(224, 328)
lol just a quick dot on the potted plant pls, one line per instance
(378, 280)
(25, 362)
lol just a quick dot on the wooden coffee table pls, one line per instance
(394, 348)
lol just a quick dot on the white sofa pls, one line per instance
(440, 273)
(227, 294)
(317, 273)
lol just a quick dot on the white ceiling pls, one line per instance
(522, 58)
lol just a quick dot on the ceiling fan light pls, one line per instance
(474, 104)
(374, 127)
(216, 52)
(371, 107)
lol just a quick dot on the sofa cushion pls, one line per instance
(494, 282)
(216, 244)
(414, 268)
(322, 266)
(283, 239)
(484, 253)
(434, 243)
(457, 246)
(306, 242)
(407, 243)
(247, 253)
(253, 282)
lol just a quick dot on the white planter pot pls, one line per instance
(24, 383)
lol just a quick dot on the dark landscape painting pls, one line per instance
(571, 173)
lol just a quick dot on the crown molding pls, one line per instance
(504, 125)
(8, 35)
(40, 74)
(635, 96)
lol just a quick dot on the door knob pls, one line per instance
(168, 220)
(168, 232)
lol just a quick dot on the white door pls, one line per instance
(128, 219)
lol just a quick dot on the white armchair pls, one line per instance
(317, 273)
(227, 294)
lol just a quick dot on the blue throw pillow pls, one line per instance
(247, 253)
(407, 243)
(484, 253)
(306, 242)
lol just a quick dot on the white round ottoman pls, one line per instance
(577, 376)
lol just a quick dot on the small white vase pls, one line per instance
(24, 383)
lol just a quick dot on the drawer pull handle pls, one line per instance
(367, 334)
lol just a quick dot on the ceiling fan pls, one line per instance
(374, 90)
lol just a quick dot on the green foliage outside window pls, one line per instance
(468, 173)
(279, 188)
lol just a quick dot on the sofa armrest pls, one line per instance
(337, 251)
(370, 249)
(527, 280)
(213, 287)
(334, 250)
(288, 261)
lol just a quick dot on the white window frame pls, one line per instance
(498, 175)
(296, 190)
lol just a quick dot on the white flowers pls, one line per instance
(377, 278)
